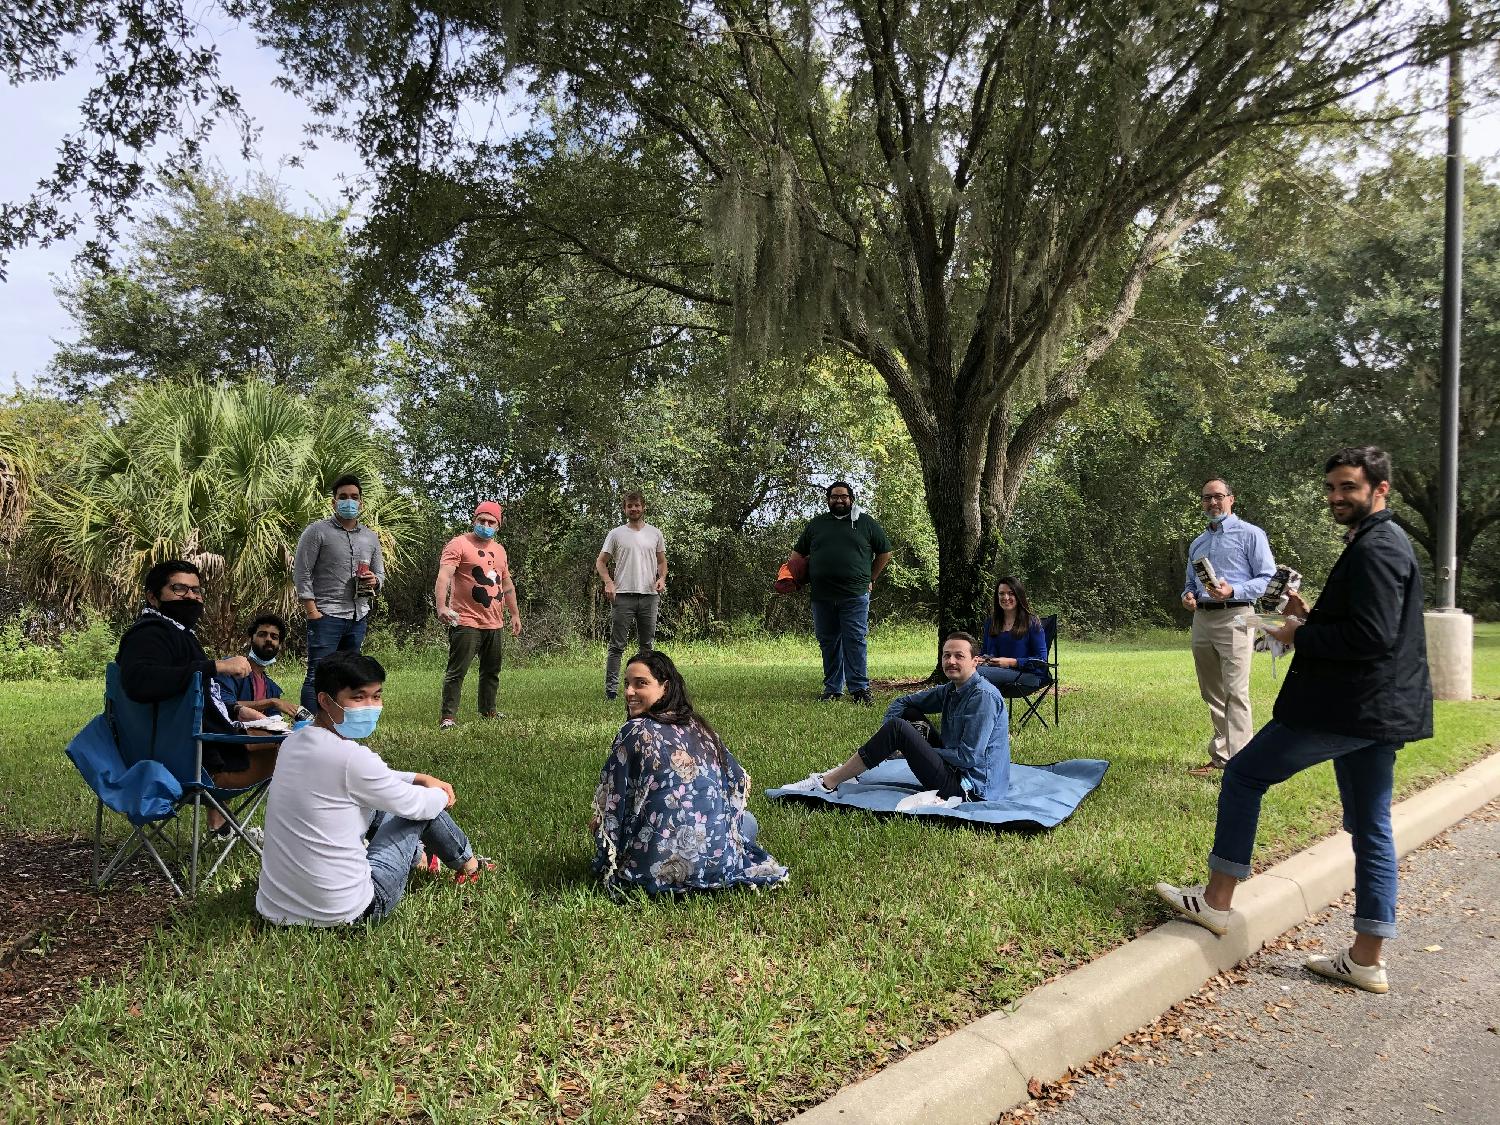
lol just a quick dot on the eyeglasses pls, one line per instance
(1207, 496)
(183, 590)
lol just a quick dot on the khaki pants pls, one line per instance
(1221, 655)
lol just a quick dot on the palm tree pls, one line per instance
(226, 477)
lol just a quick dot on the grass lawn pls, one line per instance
(532, 997)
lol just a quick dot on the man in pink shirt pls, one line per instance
(473, 593)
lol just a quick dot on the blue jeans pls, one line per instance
(393, 845)
(1020, 682)
(325, 636)
(1363, 769)
(841, 627)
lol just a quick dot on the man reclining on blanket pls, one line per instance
(967, 760)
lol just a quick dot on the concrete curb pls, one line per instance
(978, 1072)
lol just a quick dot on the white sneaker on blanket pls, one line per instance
(927, 799)
(811, 784)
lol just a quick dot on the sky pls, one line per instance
(32, 319)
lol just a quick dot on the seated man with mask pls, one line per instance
(257, 695)
(157, 658)
(327, 861)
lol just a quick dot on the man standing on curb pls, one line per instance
(472, 594)
(337, 571)
(1242, 565)
(1357, 691)
(846, 549)
(636, 552)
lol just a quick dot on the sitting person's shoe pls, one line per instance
(610, 696)
(927, 799)
(830, 696)
(1343, 967)
(486, 864)
(812, 783)
(861, 697)
(448, 724)
(1188, 903)
(256, 836)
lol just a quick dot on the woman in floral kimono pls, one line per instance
(669, 814)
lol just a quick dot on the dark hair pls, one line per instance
(974, 646)
(1024, 614)
(159, 575)
(632, 495)
(347, 479)
(339, 671)
(674, 706)
(267, 619)
(839, 484)
(1375, 462)
(1229, 488)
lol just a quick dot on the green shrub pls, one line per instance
(22, 659)
(83, 653)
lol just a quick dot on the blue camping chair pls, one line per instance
(1037, 696)
(145, 761)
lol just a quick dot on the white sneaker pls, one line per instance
(927, 799)
(811, 784)
(1189, 903)
(1342, 967)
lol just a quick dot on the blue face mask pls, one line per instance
(254, 659)
(358, 722)
(346, 509)
(1216, 521)
(484, 531)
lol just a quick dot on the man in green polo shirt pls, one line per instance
(846, 549)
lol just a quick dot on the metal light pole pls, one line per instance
(1450, 631)
(1453, 272)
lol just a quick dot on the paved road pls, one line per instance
(1271, 1043)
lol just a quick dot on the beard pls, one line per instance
(1354, 514)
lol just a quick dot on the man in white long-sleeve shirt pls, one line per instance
(316, 869)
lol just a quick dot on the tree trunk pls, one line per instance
(967, 546)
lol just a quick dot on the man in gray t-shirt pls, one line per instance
(633, 565)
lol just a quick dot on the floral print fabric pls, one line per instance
(667, 814)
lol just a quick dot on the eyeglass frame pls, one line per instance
(1209, 497)
(183, 590)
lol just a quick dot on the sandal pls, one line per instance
(485, 864)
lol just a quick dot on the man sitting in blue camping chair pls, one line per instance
(158, 657)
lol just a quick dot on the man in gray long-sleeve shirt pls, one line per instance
(337, 571)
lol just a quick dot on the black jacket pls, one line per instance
(157, 660)
(1361, 659)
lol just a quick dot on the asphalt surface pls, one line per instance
(1270, 1042)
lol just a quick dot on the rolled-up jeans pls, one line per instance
(393, 845)
(842, 626)
(1364, 771)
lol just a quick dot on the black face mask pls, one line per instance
(185, 611)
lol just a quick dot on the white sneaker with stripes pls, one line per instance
(1342, 967)
(1189, 903)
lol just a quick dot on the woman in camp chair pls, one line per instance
(1015, 648)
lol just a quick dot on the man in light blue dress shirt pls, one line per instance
(1243, 564)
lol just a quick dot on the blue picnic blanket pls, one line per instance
(1039, 796)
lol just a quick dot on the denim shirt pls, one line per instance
(1241, 556)
(976, 737)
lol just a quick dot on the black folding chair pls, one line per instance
(1037, 696)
